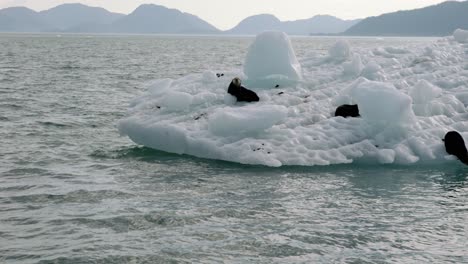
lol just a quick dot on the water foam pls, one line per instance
(409, 97)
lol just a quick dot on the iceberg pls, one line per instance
(408, 101)
(461, 35)
(340, 50)
(271, 61)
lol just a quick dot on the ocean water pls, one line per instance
(73, 191)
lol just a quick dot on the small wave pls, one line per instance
(25, 171)
(11, 106)
(20, 257)
(80, 196)
(121, 224)
(54, 124)
(130, 152)
(112, 259)
(70, 67)
(22, 221)
(17, 188)
(146, 154)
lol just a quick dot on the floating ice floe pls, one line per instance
(271, 61)
(340, 50)
(408, 101)
(461, 35)
(354, 67)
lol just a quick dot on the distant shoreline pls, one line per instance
(58, 34)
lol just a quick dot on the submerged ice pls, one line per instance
(408, 97)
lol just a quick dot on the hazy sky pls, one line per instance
(225, 14)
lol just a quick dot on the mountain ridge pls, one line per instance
(435, 20)
(146, 19)
(72, 15)
(314, 25)
(21, 19)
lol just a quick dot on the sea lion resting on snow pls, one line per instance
(241, 93)
(455, 145)
(347, 111)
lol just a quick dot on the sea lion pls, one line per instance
(455, 145)
(347, 111)
(241, 93)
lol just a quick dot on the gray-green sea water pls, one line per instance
(73, 191)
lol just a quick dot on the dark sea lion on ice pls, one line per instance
(455, 145)
(241, 93)
(347, 111)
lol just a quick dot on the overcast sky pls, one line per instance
(225, 14)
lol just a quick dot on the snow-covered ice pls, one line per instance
(461, 35)
(354, 67)
(271, 60)
(408, 96)
(394, 106)
(340, 50)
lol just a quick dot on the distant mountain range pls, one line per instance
(58, 19)
(152, 19)
(21, 19)
(436, 20)
(159, 19)
(69, 16)
(78, 18)
(315, 25)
